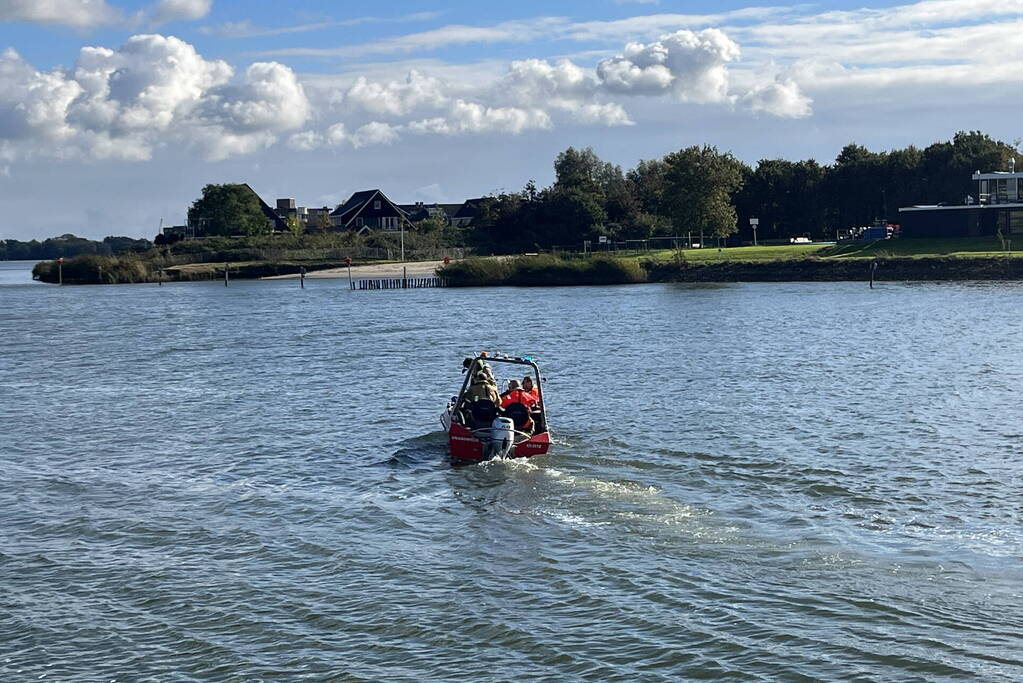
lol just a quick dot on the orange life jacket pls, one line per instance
(518, 396)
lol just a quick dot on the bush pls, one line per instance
(544, 270)
(92, 269)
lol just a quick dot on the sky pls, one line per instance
(115, 113)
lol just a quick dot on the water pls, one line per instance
(770, 481)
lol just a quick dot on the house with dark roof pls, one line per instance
(421, 211)
(369, 210)
(277, 224)
(467, 212)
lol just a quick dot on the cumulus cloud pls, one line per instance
(375, 133)
(33, 104)
(177, 10)
(153, 90)
(473, 117)
(782, 98)
(81, 13)
(148, 83)
(691, 65)
(396, 98)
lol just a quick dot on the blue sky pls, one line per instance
(115, 113)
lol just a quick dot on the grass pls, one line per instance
(761, 253)
(920, 248)
(981, 247)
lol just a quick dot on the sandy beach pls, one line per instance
(384, 270)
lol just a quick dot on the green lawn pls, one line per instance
(983, 246)
(963, 246)
(711, 254)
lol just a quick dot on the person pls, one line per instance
(527, 386)
(515, 394)
(482, 387)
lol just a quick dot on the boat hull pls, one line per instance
(466, 447)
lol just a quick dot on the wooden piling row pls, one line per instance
(399, 283)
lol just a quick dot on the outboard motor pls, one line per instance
(502, 437)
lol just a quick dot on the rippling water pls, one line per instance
(775, 481)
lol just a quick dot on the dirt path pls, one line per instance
(385, 270)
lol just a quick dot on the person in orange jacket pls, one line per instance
(527, 386)
(515, 394)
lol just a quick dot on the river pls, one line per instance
(749, 481)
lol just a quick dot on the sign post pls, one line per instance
(753, 223)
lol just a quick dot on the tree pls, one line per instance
(700, 184)
(228, 210)
(295, 226)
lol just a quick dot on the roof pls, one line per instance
(996, 175)
(358, 201)
(470, 208)
(278, 222)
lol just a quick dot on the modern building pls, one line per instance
(997, 208)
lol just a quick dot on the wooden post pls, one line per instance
(160, 277)
(404, 278)
(60, 270)
(301, 276)
(225, 274)
(873, 267)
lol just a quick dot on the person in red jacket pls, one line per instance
(515, 394)
(527, 386)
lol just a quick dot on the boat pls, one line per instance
(479, 430)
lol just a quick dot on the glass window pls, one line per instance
(376, 204)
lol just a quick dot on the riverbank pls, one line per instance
(889, 260)
(552, 271)
(941, 268)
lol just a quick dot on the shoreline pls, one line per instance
(552, 271)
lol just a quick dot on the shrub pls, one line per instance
(543, 270)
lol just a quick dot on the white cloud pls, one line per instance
(270, 99)
(152, 91)
(374, 133)
(782, 98)
(691, 65)
(246, 29)
(396, 98)
(306, 141)
(178, 10)
(81, 13)
(33, 104)
(534, 80)
(445, 36)
(149, 83)
(473, 117)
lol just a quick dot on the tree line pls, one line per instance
(697, 190)
(69, 245)
(700, 189)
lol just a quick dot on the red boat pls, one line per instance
(479, 429)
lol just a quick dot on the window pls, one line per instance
(376, 205)
(359, 222)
